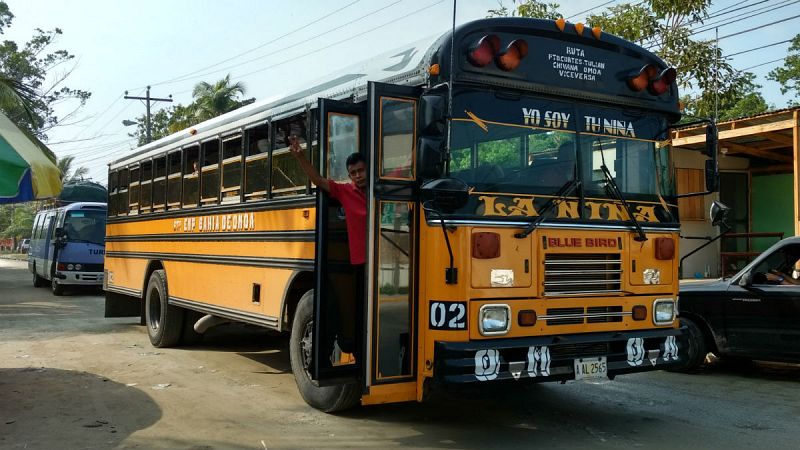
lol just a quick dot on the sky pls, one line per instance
(275, 47)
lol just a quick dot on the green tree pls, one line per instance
(527, 8)
(65, 168)
(30, 90)
(210, 100)
(19, 220)
(788, 75)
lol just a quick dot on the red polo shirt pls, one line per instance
(354, 202)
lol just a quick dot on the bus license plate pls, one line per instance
(591, 368)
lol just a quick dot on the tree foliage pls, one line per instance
(32, 79)
(65, 169)
(666, 27)
(210, 100)
(789, 75)
(16, 221)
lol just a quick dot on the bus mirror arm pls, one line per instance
(451, 273)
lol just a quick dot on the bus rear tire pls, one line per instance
(164, 321)
(37, 280)
(324, 398)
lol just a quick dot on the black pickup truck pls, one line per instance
(755, 314)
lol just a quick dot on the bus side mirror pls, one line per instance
(446, 194)
(718, 213)
(431, 158)
(712, 169)
(59, 232)
(432, 115)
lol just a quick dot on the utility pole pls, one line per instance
(147, 99)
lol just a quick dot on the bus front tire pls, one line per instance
(164, 321)
(58, 289)
(324, 398)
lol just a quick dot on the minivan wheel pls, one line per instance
(37, 280)
(58, 288)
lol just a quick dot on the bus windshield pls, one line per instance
(86, 226)
(519, 152)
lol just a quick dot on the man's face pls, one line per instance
(358, 174)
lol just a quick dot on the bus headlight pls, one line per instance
(78, 267)
(70, 267)
(663, 311)
(494, 319)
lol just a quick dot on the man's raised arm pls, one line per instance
(305, 165)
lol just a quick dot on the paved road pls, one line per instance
(71, 379)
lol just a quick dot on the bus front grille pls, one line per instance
(580, 315)
(580, 274)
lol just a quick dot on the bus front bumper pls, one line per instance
(559, 358)
(79, 278)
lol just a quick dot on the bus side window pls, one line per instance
(36, 222)
(174, 180)
(146, 187)
(122, 196)
(113, 192)
(159, 183)
(209, 173)
(287, 177)
(231, 168)
(191, 176)
(133, 191)
(256, 175)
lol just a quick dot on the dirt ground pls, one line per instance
(71, 379)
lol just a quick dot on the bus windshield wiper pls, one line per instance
(559, 196)
(614, 190)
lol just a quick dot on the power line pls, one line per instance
(759, 48)
(592, 8)
(182, 77)
(750, 14)
(759, 27)
(234, 66)
(762, 64)
(343, 40)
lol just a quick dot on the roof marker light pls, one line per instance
(515, 52)
(434, 69)
(482, 52)
(579, 28)
(597, 32)
(561, 23)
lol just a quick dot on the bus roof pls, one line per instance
(403, 65)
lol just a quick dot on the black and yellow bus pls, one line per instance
(522, 220)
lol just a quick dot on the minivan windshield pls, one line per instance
(86, 226)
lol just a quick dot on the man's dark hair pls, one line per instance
(354, 159)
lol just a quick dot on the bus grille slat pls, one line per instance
(580, 273)
(579, 315)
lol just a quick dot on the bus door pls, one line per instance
(338, 316)
(392, 243)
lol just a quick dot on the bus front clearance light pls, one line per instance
(639, 312)
(494, 320)
(515, 52)
(483, 51)
(526, 318)
(663, 311)
(663, 82)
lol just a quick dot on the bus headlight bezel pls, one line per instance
(664, 311)
(494, 319)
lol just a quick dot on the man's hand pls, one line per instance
(295, 149)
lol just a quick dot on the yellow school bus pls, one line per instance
(522, 221)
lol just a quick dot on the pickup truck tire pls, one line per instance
(697, 350)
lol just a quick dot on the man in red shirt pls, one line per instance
(353, 197)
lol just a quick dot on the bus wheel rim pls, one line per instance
(155, 310)
(306, 345)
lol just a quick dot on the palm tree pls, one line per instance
(219, 98)
(65, 167)
(16, 95)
